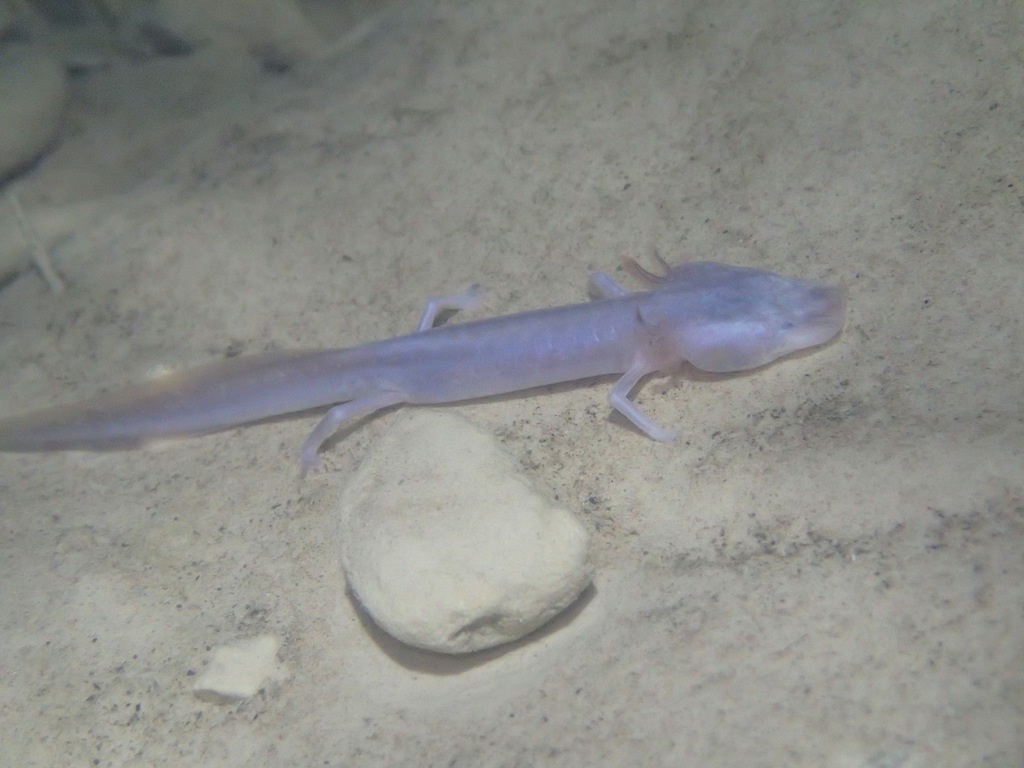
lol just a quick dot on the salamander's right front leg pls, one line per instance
(618, 398)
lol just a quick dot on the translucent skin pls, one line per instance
(718, 318)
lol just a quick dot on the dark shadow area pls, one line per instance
(433, 663)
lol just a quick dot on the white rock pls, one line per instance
(238, 671)
(448, 546)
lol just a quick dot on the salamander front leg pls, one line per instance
(602, 286)
(467, 299)
(337, 416)
(619, 400)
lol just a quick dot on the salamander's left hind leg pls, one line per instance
(467, 299)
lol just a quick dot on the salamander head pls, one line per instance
(748, 318)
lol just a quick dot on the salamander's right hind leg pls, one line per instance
(337, 416)
(467, 299)
(364, 406)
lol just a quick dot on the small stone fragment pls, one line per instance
(238, 671)
(448, 546)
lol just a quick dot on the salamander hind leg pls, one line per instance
(618, 397)
(467, 299)
(338, 415)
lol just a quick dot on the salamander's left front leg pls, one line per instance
(467, 299)
(602, 286)
(619, 400)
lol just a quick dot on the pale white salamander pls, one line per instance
(719, 318)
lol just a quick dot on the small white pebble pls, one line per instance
(238, 671)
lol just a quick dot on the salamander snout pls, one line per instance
(814, 315)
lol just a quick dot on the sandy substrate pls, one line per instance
(826, 570)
